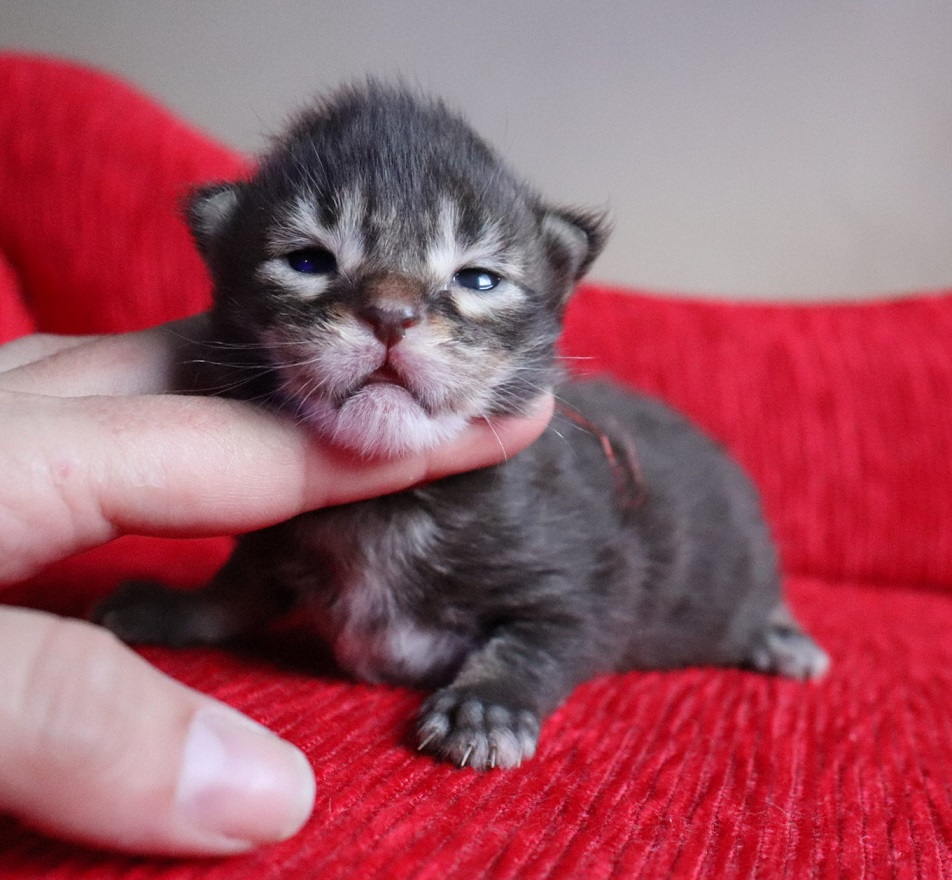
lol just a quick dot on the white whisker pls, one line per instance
(492, 427)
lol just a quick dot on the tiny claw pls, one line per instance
(466, 754)
(492, 757)
(425, 741)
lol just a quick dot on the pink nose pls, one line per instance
(390, 322)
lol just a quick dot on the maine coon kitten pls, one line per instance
(384, 277)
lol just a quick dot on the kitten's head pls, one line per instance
(397, 278)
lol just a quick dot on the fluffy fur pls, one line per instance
(386, 278)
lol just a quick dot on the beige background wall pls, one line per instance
(750, 148)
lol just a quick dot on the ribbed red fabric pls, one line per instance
(840, 412)
(842, 415)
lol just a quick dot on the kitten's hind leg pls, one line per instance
(239, 599)
(783, 648)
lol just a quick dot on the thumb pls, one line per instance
(98, 746)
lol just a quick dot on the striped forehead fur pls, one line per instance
(405, 153)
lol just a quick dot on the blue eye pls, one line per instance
(312, 261)
(476, 279)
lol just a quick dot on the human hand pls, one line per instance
(95, 744)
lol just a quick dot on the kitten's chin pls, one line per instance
(382, 420)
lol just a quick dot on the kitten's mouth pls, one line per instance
(386, 375)
(383, 412)
(388, 384)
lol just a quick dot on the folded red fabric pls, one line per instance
(841, 414)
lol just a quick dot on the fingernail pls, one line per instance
(241, 783)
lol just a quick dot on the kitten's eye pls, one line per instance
(312, 261)
(476, 279)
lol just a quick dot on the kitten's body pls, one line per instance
(622, 539)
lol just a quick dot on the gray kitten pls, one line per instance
(385, 278)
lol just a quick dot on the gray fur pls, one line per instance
(622, 539)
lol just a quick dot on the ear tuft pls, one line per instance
(575, 237)
(208, 210)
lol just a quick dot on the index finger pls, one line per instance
(144, 362)
(82, 471)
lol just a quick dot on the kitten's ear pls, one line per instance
(208, 210)
(574, 238)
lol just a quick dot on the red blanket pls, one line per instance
(843, 415)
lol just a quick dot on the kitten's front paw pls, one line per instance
(458, 726)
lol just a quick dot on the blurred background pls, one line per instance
(751, 149)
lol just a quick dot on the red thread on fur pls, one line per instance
(629, 481)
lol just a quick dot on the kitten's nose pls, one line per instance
(390, 321)
(391, 303)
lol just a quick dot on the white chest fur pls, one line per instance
(376, 641)
(368, 621)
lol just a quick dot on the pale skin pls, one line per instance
(95, 744)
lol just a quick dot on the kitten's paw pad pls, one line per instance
(143, 612)
(471, 732)
(786, 650)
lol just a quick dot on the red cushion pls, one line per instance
(841, 413)
(93, 176)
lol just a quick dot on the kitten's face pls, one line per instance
(396, 277)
